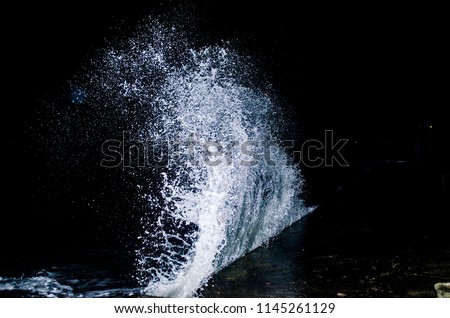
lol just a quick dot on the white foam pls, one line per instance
(37, 285)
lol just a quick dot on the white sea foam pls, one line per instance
(38, 286)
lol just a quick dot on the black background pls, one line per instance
(373, 74)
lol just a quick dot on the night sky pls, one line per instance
(374, 75)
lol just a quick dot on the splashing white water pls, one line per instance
(220, 195)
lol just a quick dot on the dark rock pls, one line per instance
(442, 290)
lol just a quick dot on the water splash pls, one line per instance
(219, 194)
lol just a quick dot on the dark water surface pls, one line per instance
(382, 235)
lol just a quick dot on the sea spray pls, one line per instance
(223, 185)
